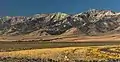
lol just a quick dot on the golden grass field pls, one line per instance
(81, 52)
(68, 54)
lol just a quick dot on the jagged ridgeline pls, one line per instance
(92, 22)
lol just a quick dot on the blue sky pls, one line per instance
(30, 7)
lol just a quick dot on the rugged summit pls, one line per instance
(91, 22)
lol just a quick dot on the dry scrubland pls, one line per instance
(66, 54)
(60, 49)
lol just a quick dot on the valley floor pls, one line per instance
(62, 38)
(60, 49)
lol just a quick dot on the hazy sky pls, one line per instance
(30, 7)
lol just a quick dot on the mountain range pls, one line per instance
(92, 22)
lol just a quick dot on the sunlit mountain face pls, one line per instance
(91, 22)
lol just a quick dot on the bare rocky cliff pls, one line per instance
(91, 22)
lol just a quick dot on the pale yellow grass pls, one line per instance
(36, 53)
(92, 52)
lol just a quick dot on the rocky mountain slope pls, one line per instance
(91, 22)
